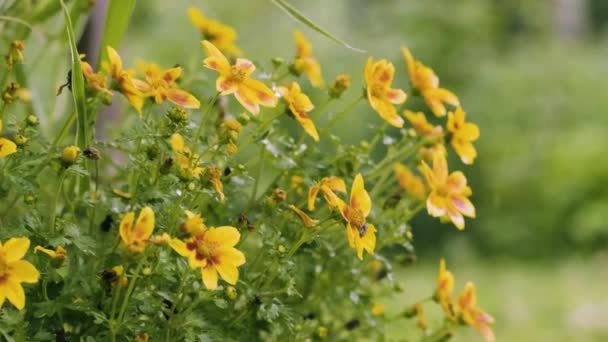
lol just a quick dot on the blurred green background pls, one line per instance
(532, 74)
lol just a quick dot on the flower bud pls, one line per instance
(230, 292)
(322, 332)
(233, 125)
(147, 270)
(281, 249)
(340, 85)
(279, 195)
(70, 155)
(231, 148)
(20, 140)
(177, 115)
(32, 120)
(244, 118)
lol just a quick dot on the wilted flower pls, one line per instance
(299, 105)
(328, 186)
(449, 193)
(378, 80)
(235, 79)
(305, 62)
(426, 82)
(307, 220)
(58, 253)
(463, 134)
(14, 271)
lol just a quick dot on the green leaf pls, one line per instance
(296, 14)
(78, 90)
(117, 20)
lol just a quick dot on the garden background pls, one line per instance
(532, 74)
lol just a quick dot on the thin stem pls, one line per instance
(125, 301)
(205, 117)
(53, 204)
(339, 115)
(258, 175)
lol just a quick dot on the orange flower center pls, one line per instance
(443, 191)
(3, 267)
(355, 217)
(377, 90)
(237, 74)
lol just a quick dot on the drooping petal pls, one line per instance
(261, 93)
(396, 96)
(350, 235)
(335, 183)
(455, 216)
(359, 198)
(15, 248)
(145, 224)
(209, 275)
(437, 107)
(309, 126)
(180, 247)
(464, 206)
(244, 96)
(23, 271)
(307, 220)
(216, 60)
(225, 236)
(312, 196)
(126, 225)
(182, 98)
(312, 69)
(465, 150)
(368, 241)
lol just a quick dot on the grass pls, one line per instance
(562, 301)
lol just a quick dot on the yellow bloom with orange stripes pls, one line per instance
(361, 234)
(236, 79)
(135, 234)
(14, 271)
(187, 162)
(124, 80)
(409, 182)
(299, 105)
(161, 85)
(212, 250)
(426, 82)
(472, 315)
(306, 220)
(449, 194)
(328, 186)
(219, 34)
(382, 98)
(463, 134)
(305, 63)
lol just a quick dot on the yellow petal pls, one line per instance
(436, 205)
(23, 271)
(440, 168)
(15, 248)
(182, 98)
(335, 183)
(197, 18)
(232, 255)
(463, 205)
(359, 198)
(180, 247)
(225, 236)
(216, 60)
(309, 127)
(308, 222)
(171, 75)
(409, 61)
(261, 93)
(209, 275)
(456, 217)
(246, 99)
(396, 96)
(14, 293)
(312, 196)
(177, 142)
(7, 147)
(115, 62)
(228, 272)
(145, 224)
(126, 226)
(350, 235)
(368, 240)
(386, 111)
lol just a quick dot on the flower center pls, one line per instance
(356, 217)
(237, 74)
(377, 90)
(443, 191)
(3, 267)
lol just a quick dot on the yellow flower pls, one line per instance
(214, 175)
(307, 220)
(7, 147)
(186, 160)
(70, 154)
(378, 79)
(421, 126)
(445, 287)
(219, 34)
(233, 125)
(305, 62)
(135, 235)
(235, 79)
(14, 271)
(473, 316)
(161, 85)
(95, 80)
(59, 253)
(361, 235)
(463, 134)
(428, 152)
(212, 250)
(411, 183)
(194, 223)
(340, 85)
(421, 321)
(449, 193)
(328, 186)
(426, 82)
(124, 80)
(299, 105)
(378, 309)
(118, 276)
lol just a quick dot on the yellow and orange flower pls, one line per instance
(212, 250)
(306, 220)
(124, 80)
(7, 147)
(136, 235)
(361, 234)
(58, 253)
(160, 84)
(299, 105)
(328, 186)
(378, 79)
(95, 80)
(186, 160)
(305, 62)
(426, 82)
(449, 193)
(473, 316)
(421, 126)
(219, 34)
(235, 79)
(463, 135)
(214, 175)
(14, 271)
(445, 287)
(410, 182)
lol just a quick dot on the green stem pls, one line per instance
(262, 127)
(258, 175)
(55, 199)
(205, 117)
(339, 115)
(125, 301)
